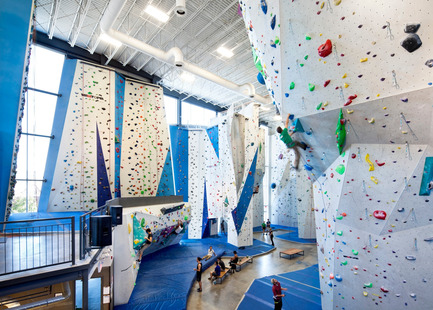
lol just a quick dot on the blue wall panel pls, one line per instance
(179, 148)
(166, 185)
(213, 137)
(69, 67)
(119, 100)
(15, 17)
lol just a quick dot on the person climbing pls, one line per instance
(210, 252)
(271, 234)
(146, 243)
(198, 273)
(278, 297)
(286, 137)
(264, 227)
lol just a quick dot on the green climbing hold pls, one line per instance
(319, 106)
(340, 132)
(308, 38)
(339, 217)
(311, 87)
(143, 223)
(306, 57)
(292, 85)
(186, 218)
(340, 169)
(277, 40)
(301, 65)
(344, 263)
(368, 284)
(355, 252)
(340, 233)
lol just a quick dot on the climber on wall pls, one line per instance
(286, 137)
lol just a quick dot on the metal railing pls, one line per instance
(39, 243)
(85, 229)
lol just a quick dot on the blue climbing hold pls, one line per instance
(273, 21)
(264, 6)
(260, 78)
(308, 167)
(273, 185)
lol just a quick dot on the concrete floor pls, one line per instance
(229, 294)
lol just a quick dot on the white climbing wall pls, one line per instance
(74, 185)
(381, 263)
(258, 210)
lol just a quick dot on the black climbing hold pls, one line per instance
(273, 20)
(411, 43)
(411, 28)
(429, 63)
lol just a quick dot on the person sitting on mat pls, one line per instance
(234, 261)
(278, 297)
(221, 263)
(217, 271)
(210, 252)
(286, 137)
(146, 243)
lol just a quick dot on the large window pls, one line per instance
(44, 78)
(170, 110)
(195, 115)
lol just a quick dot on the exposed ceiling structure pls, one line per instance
(207, 25)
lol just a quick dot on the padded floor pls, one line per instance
(303, 291)
(165, 277)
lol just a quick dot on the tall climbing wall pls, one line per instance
(111, 141)
(258, 210)
(372, 225)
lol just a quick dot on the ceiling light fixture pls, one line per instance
(225, 52)
(107, 39)
(156, 13)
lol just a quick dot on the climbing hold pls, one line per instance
(319, 106)
(344, 76)
(400, 209)
(143, 223)
(344, 263)
(273, 20)
(383, 289)
(292, 85)
(273, 185)
(308, 167)
(379, 214)
(411, 28)
(352, 97)
(411, 43)
(260, 78)
(429, 63)
(371, 121)
(330, 283)
(339, 217)
(307, 37)
(375, 181)
(349, 111)
(413, 295)
(337, 2)
(340, 233)
(340, 169)
(129, 228)
(348, 102)
(404, 99)
(331, 276)
(379, 164)
(338, 278)
(326, 104)
(311, 87)
(428, 239)
(363, 59)
(346, 85)
(326, 83)
(368, 284)
(325, 49)
(306, 57)
(355, 252)
(410, 257)
(365, 293)
(340, 132)
(264, 6)
(367, 159)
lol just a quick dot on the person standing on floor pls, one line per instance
(271, 234)
(286, 137)
(278, 297)
(198, 273)
(264, 227)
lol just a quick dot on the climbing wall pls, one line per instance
(87, 143)
(113, 142)
(258, 210)
(366, 58)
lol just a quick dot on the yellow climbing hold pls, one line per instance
(337, 2)
(129, 228)
(365, 293)
(322, 5)
(346, 85)
(349, 111)
(367, 159)
(378, 95)
(384, 108)
(320, 34)
(371, 121)
(375, 180)
(326, 103)
(344, 76)
(404, 132)
(376, 246)
(364, 59)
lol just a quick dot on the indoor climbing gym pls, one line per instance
(216, 155)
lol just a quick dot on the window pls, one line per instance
(195, 115)
(170, 110)
(44, 75)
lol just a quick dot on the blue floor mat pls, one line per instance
(299, 294)
(165, 277)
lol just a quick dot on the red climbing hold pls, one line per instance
(353, 155)
(379, 214)
(352, 97)
(348, 102)
(379, 164)
(326, 83)
(384, 289)
(325, 49)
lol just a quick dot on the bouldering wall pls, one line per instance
(112, 142)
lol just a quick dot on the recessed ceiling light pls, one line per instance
(106, 38)
(224, 51)
(187, 77)
(157, 13)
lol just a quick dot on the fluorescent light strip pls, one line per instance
(224, 51)
(156, 13)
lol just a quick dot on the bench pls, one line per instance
(292, 252)
(243, 261)
(222, 276)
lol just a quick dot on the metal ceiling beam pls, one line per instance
(81, 14)
(53, 17)
(96, 29)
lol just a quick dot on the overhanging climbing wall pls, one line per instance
(113, 142)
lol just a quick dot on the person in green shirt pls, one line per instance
(286, 137)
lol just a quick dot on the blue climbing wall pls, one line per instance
(15, 18)
(104, 192)
(213, 137)
(166, 183)
(119, 101)
(179, 147)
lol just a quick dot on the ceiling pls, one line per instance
(207, 25)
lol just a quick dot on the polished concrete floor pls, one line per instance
(229, 294)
